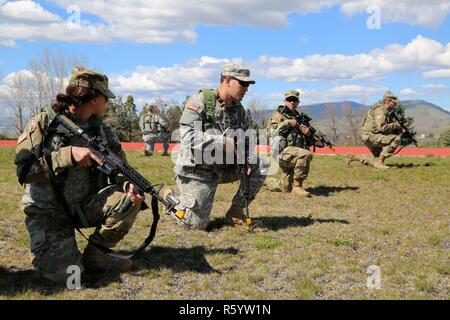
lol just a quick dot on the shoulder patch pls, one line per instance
(191, 106)
(22, 137)
(276, 117)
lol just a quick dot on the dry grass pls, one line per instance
(316, 248)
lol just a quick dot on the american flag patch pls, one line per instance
(192, 106)
(22, 137)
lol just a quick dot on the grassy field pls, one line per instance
(316, 248)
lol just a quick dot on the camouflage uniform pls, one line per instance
(196, 181)
(88, 193)
(378, 134)
(153, 127)
(290, 148)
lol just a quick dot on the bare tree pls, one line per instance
(353, 118)
(51, 72)
(252, 114)
(330, 115)
(17, 97)
(28, 91)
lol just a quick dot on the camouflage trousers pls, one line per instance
(151, 138)
(52, 235)
(294, 163)
(198, 188)
(379, 145)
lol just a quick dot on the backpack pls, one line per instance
(29, 148)
(210, 108)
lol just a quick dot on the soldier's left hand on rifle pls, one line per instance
(305, 130)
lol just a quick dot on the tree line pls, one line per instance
(29, 92)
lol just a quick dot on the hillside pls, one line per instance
(428, 118)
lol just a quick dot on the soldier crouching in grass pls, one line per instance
(381, 136)
(51, 164)
(207, 118)
(290, 145)
(154, 127)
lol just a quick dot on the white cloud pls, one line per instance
(25, 75)
(433, 86)
(180, 79)
(26, 11)
(173, 20)
(441, 73)
(430, 13)
(177, 79)
(8, 43)
(420, 53)
(408, 92)
(356, 93)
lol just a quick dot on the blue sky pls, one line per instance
(327, 52)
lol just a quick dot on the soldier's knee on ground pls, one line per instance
(53, 247)
(52, 260)
(194, 221)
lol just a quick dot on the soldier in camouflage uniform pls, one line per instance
(91, 197)
(379, 135)
(154, 127)
(207, 119)
(290, 144)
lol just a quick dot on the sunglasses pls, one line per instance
(294, 100)
(242, 83)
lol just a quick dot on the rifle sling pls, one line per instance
(61, 202)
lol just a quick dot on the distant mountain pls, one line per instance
(428, 118)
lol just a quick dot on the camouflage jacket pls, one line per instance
(78, 183)
(282, 135)
(202, 127)
(377, 121)
(151, 123)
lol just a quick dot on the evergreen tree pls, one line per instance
(122, 116)
(407, 122)
(444, 139)
(130, 121)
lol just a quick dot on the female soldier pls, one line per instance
(87, 194)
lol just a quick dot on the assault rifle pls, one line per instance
(406, 132)
(243, 176)
(304, 119)
(114, 164)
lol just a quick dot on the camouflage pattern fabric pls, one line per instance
(291, 149)
(294, 163)
(153, 129)
(379, 135)
(379, 144)
(198, 182)
(89, 194)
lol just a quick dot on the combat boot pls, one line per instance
(299, 190)
(379, 164)
(235, 216)
(95, 261)
(350, 157)
(272, 184)
(148, 153)
(165, 153)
